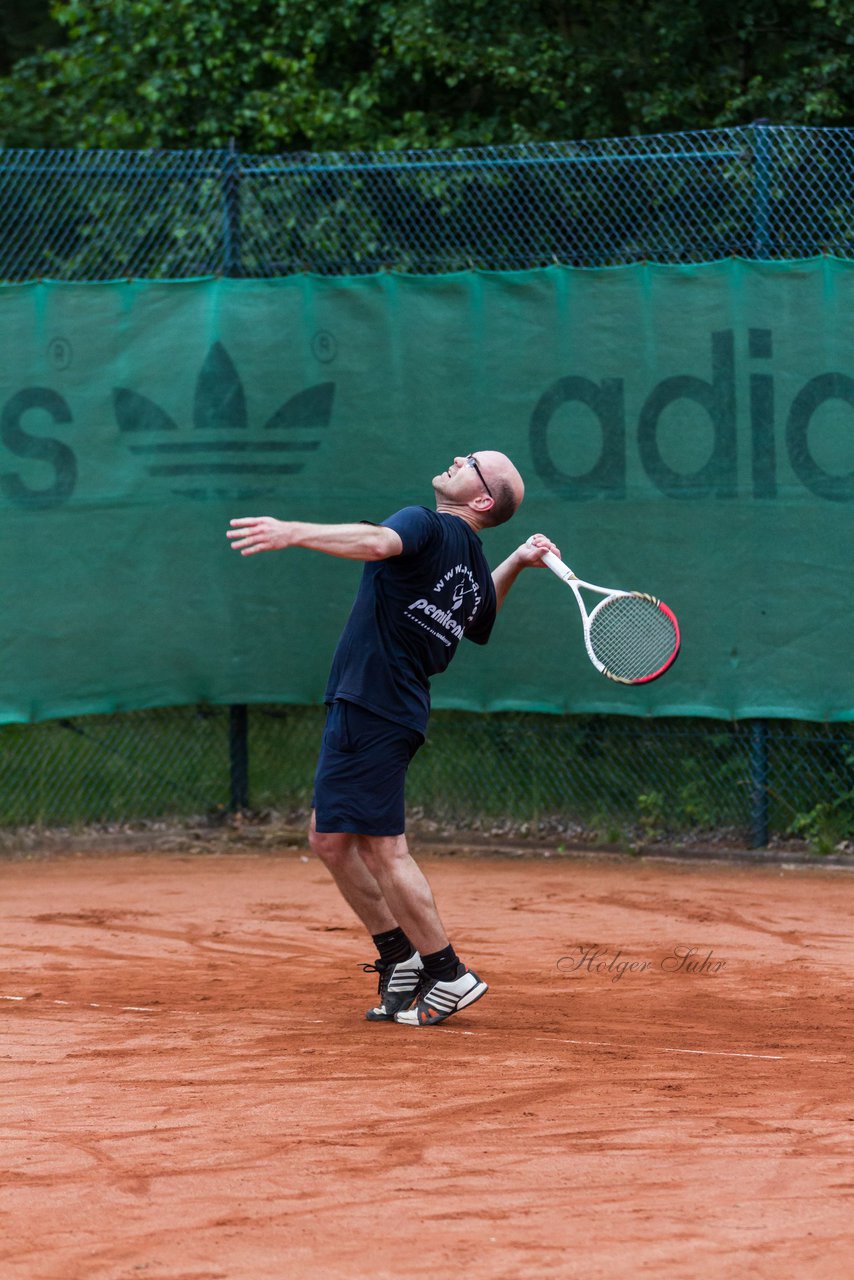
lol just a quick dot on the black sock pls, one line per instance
(442, 966)
(393, 946)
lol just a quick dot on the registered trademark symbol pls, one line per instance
(324, 346)
(59, 353)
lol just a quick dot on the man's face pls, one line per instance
(464, 479)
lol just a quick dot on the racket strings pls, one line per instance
(632, 637)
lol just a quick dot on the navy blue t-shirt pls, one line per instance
(410, 613)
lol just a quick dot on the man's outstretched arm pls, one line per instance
(251, 534)
(529, 555)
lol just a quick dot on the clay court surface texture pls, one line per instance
(658, 1083)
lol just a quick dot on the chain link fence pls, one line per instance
(608, 780)
(757, 192)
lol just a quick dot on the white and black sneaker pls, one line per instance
(398, 986)
(438, 1000)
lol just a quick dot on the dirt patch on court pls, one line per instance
(658, 1082)
(268, 831)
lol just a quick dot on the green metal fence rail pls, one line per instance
(760, 191)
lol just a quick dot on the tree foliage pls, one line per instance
(280, 75)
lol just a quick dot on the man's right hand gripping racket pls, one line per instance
(630, 637)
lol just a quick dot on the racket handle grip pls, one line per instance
(553, 562)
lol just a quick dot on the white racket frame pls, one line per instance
(571, 579)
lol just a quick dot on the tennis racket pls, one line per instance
(630, 637)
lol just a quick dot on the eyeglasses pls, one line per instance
(472, 462)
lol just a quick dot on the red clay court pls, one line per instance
(658, 1082)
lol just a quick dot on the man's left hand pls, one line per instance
(531, 552)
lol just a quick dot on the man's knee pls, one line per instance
(331, 847)
(381, 852)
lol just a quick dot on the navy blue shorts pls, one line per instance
(361, 774)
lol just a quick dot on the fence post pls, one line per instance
(762, 188)
(759, 784)
(238, 756)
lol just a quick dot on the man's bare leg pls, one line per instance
(447, 985)
(383, 884)
(405, 890)
(339, 854)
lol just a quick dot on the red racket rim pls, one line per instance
(602, 660)
(676, 648)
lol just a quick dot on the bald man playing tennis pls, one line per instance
(425, 586)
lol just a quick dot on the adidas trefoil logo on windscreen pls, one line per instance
(221, 457)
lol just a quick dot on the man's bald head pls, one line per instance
(505, 485)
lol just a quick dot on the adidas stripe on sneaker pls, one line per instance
(398, 986)
(438, 1000)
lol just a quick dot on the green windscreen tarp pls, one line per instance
(687, 431)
